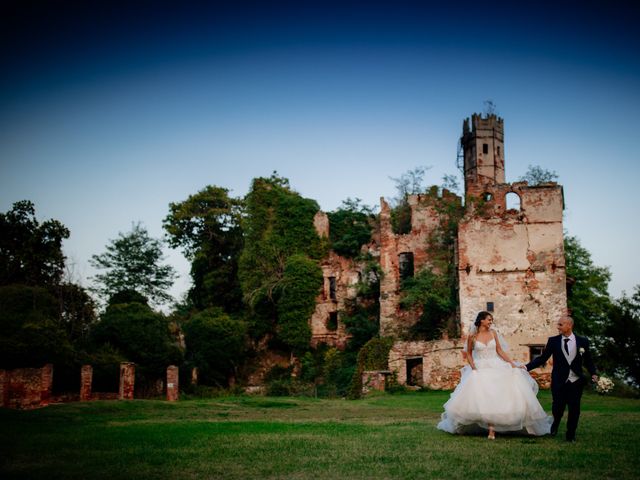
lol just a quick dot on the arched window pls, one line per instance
(513, 201)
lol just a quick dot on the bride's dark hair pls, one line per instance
(481, 316)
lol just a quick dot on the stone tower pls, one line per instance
(482, 142)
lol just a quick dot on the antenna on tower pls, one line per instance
(489, 108)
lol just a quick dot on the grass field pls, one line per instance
(386, 436)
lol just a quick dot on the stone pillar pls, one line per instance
(4, 388)
(86, 378)
(194, 376)
(172, 383)
(127, 380)
(46, 385)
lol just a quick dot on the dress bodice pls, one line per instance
(483, 351)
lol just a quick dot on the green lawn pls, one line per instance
(386, 436)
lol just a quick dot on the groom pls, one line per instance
(570, 354)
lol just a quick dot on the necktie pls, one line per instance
(566, 345)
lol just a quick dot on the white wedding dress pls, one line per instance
(496, 394)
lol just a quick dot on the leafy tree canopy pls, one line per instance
(30, 252)
(587, 294)
(140, 335)
(132, 262)
(621, 349)
(215, 344)
(30, 331)
(535, 175)
(278, 224)
(207, 226)
(350, 227)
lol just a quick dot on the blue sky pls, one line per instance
(110, 111)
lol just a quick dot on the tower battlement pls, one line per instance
(483, 144)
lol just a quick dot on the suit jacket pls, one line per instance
(561, 367)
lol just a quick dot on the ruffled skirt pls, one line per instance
(496, 394)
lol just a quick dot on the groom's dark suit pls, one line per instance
(564, 392)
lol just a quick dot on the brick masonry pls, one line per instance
(26, 388)
(172, 383)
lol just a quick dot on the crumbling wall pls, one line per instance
(26, 388)
(340, 277)
(513, 261)
(441, 362)
(425, 219)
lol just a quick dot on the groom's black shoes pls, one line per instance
(554, 430)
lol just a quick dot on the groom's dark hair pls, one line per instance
(481, 316)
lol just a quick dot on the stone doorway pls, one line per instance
(414, 372)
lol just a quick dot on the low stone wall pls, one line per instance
(26, 388)
(440, 362)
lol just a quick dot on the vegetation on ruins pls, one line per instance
(409, 183)
(255, 269)
(350, 227)
(432, 291)
(373, 355)
(278, 224)
(133, 262)
(361, 316)
(301, 281)
(536, 175)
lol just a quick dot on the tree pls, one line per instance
(77, 312)
(350, 227)
(140, 335)
(215, 344)
(621, 349)
(278, 224)
(30, 252)
(587, 293)
(409, 183)
(30, 332)
(207, 226)
(536, 175)
(132, 262)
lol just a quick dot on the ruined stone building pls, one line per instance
(509, 261)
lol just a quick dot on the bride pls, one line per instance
(493, 393)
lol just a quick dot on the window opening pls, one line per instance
(332, 288)
(332, 321)
(513, 201)
(405, 265)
